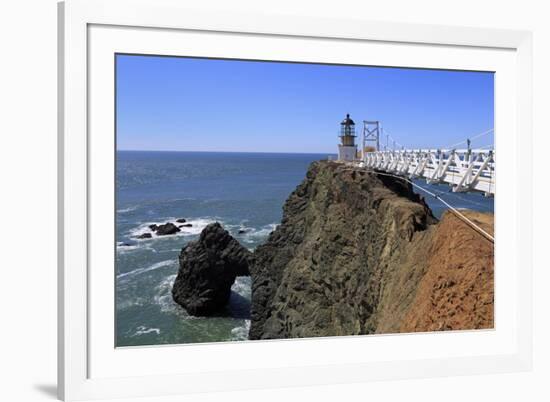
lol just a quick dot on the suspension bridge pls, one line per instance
(463, 167)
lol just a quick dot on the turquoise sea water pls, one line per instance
(242, 191)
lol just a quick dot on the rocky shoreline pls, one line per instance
(355, 253)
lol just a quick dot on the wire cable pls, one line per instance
(399, 145)
(453, 209)
(472, 138)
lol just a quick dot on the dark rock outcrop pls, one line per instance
(181, 220)
(167, 229)
(145, 236)
(324, 270)
(208, 268)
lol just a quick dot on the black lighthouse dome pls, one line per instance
(347, 121)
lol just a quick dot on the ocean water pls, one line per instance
(242, 191)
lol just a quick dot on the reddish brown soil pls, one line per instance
(457, 290)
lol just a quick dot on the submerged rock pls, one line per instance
(145, 236)
(125, 244)
(208, 268)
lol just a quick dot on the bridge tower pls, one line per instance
(347, 150)
(371, 136)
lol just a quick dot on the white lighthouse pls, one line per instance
(347, 150)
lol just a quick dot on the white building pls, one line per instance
(347, 150)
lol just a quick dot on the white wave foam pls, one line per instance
(138, 271)
(121, 246)
(125, 210)
(164, 295)
(124, 248)
(143, 330)
(257, 235)
(242, 286)
(240, 333)
(127, 303)
(198, 225)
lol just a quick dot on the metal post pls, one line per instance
(371, 132)
(469, 154)
(363, 144)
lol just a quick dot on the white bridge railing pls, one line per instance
(463, 169)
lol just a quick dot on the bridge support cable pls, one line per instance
(469, 140)
(453, 209)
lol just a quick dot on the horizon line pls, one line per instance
(228, 152)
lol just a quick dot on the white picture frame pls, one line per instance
(90, 32)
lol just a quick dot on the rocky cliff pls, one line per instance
(360, 253)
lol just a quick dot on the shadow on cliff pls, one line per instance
(237, 307)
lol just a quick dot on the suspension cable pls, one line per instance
(472, 138)
(453, 209)
(393, 139)
(450, 146)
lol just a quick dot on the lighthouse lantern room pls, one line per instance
(347, 150)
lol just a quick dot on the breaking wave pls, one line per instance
(253, 235)
(240, 333)
(163, 297)
(138, 271)
(197, 225)
(143, 330)
(126, 210)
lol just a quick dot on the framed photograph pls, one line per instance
(254, 201)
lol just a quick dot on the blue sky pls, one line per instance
(186, 104)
